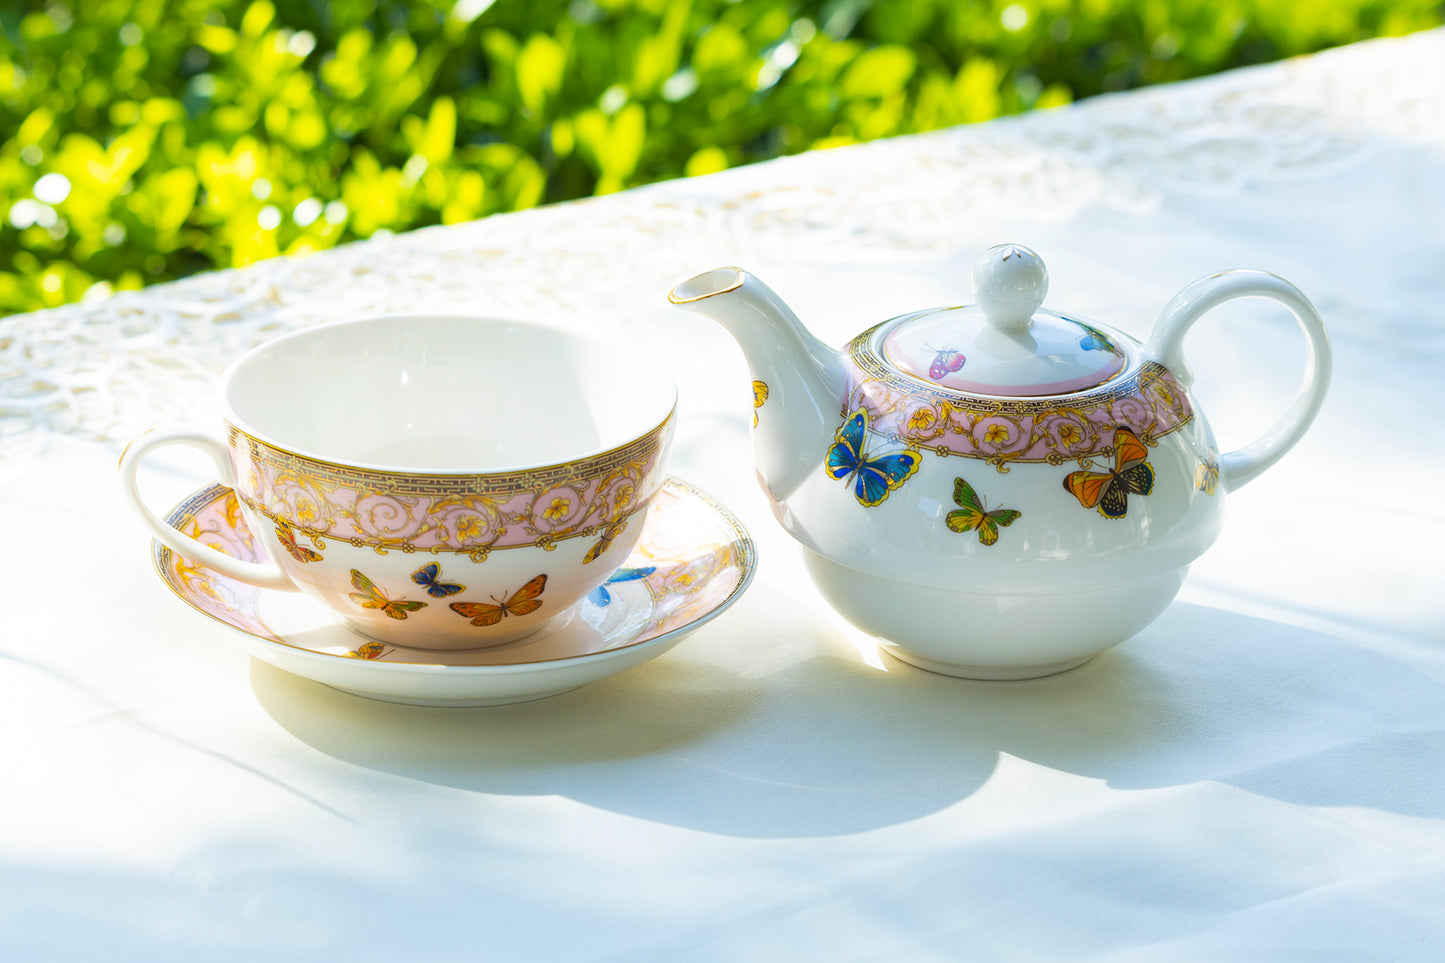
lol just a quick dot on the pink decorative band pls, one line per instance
(1148, 402)
(471, 514)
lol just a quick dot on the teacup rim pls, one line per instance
(234, 422)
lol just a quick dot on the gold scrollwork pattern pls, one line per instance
(688, 581)
(1001, 431)
(466, 514)
(213, 517)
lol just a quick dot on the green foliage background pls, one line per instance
(145, 140)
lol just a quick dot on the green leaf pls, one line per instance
(35, 126)
(466, 198)
(177, 122)
(879, 72)
(218, 40)
(590, 128)
(258, 17)
(564, 137)
(173, 194)
(976, 90)
(624, 147)
(707, 160)
(161, 110)
(613, 145)
(306, 131)
(658, 55)
(540, 65)
(721, 51)
(440, 137)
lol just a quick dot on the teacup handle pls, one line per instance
(253, 573)
(1166, 344)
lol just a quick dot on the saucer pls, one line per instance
(692, 561)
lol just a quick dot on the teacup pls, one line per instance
(438, 482)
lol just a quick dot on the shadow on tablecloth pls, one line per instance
(791, 733)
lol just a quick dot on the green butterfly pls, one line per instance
(973, 516)
(369, 596)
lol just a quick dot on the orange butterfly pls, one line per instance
(371, 650)
(371, 597)
(300, 553)
(1110, 491)
(523, 602)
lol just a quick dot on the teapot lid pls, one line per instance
(1004, 345)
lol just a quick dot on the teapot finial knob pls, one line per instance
(1009, 283)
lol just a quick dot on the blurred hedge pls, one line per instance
(149, 139)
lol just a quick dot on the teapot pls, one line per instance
(996, 490)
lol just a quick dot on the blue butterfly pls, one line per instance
(427, 577)
(1095, 340)
(873, 478)
(601, 597)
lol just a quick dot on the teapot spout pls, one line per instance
(799, 383)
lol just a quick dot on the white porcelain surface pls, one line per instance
(693, 559)
(993, 634)
(1253, 776)
(1007, 534)
(452, 394)
(961, 348)
(439, 482)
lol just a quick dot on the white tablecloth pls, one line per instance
(1258, 775)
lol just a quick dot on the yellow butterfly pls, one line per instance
(605, 542)
(523, 602)
(369, 596)
(371, 650)
(1206, 476)
(760, 395)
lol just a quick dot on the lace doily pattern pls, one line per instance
(106, 370)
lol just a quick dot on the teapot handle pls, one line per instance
(1166, 344)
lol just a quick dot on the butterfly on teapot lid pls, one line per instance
(1004, 344)
(997, 490)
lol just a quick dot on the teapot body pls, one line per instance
(1006, 537)
(997, 490)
